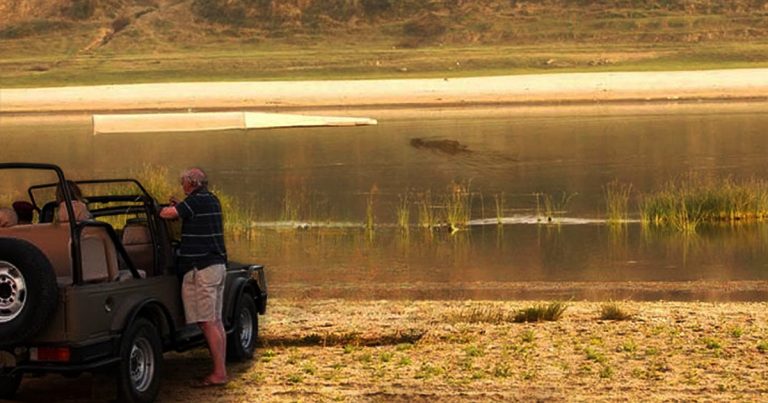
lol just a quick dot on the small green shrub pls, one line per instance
(119, 23)
(527, 336)
(32, 28)
(612, 311)
(542, 312)
(81, 9)
(762, 346)
(712, 344)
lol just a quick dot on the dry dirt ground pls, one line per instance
(340, 350)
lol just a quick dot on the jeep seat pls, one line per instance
(137, 242)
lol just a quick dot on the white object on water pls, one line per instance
(209, 121)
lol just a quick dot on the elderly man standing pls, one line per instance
(202, 260)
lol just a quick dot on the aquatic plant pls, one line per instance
(617, 201)
(551, 205)
(403, 214)
(685, 204)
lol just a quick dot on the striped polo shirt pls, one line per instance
(202, 231)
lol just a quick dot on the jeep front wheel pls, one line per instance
(242, 340)
(141, 357)
(28, 291)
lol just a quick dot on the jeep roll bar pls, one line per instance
(75, 227)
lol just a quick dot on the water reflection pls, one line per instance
(505, 158)
(347, 258)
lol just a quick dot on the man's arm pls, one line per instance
(169, 213)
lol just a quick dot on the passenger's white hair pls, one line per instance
(8, 217)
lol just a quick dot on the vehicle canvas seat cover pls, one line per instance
(137, 242)
(97, 250)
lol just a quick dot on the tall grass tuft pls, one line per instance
(542, 312)
(617, 201)
(370, 216)
(499, 201)
(158, 181)
(484, 314)
(425, 210)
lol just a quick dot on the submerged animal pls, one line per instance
(450, 147)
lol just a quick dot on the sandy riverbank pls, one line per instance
(709, 85)
(337, 350)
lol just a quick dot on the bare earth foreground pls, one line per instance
(335, 350)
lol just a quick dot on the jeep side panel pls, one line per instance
(96, 311)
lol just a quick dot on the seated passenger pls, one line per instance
(24, 211)
(7, 217)
(78, 204)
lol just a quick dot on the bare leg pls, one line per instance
(217, 345)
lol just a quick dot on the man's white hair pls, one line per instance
(195, 177)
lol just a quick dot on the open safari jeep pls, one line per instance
(103, 294)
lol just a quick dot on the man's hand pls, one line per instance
(169, 213)
(174, 200)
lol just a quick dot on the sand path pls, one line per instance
(736, 84)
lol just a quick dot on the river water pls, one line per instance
(309, 193)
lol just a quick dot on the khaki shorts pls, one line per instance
(203, 293)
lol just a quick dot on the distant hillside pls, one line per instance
(404, 23)
(69, 42)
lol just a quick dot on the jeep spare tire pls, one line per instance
(28, 291)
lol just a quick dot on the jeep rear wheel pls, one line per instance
(242, 340)
(141, 357)
(28, 291)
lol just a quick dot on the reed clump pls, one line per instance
(685, 204)
(552, 206)
(458, 206)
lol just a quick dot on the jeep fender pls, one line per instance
(151, 308)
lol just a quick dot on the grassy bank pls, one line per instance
(164, 41)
